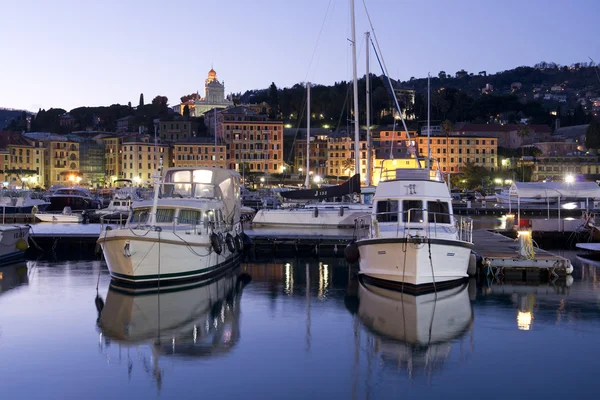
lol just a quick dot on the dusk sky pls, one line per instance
(66, 53)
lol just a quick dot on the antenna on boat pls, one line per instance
(428, 120)
(307, 179)
(368, 111)
(156, 190)
(355, 93)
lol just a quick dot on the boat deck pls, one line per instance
(500, 257)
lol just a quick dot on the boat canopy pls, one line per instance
(543, 190)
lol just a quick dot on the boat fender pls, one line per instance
(316, 212)
(216, 243)
(230, 243)
(351, 253)
(341, 211)
(22, 244)
(239, 243)
(35, 210)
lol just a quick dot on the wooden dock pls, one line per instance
(500, 258)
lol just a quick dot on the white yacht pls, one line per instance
(191, 230)
(412, 240)
(13, 242)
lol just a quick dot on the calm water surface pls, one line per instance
(293, 329)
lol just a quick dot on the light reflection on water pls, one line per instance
(292, 328)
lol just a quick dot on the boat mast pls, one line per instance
(367, 75)
(428, 121)
(355, 92)
(156, 190)
(307, 179)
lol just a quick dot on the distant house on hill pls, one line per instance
(507, 134)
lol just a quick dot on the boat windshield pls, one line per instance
(187, 190)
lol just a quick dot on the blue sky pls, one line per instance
(66, 53)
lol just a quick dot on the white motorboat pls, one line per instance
(415, 331)
(412, 240)
(13, 242)
(122, 200)
(21, 202)
(67, 216)
(191, 230)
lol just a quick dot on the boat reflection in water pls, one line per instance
(197, 320)
(12, 276)
(415, 332)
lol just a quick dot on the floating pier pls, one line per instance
(500, 257)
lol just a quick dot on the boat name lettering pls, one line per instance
(19, 235)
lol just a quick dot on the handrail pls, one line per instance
(426, 224)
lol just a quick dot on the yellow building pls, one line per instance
(61, 161)
(199, 152)
(112, 157)
(453, 152)
(23, 160)
(139, 160)
(341, 161)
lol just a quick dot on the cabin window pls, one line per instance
(189, 217)
(412, 210)
(141, 215)
(387, 211)
(165, 215)
(182, 190)
(438, 211)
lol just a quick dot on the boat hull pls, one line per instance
(309, 217)
(13, 243)
(60, 218)
(145, 258)
(399, 263)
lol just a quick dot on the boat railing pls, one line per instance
(415, 223)
(175, 224)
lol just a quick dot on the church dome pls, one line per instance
(212, 73)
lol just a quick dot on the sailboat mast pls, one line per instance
(307, 180)
(355, 92)
(368, 109)
(428, 121)
(215, 121)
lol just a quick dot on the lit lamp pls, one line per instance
(498, 181)
(316, 179)
(569, 179)
(262, 180)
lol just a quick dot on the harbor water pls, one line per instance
(295, 329)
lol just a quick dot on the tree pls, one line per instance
(348, 165)
(160, 100)
(141, 100)
(447, 126)
(187, 97)
(273, 99)
(442, 75)
(592, 136)
(186, 111)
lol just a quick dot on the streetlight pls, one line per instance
(569, 178)
(262, 180)
(316, 179)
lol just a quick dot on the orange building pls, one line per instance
(199, 152)
(251, 140)
(453, 152)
